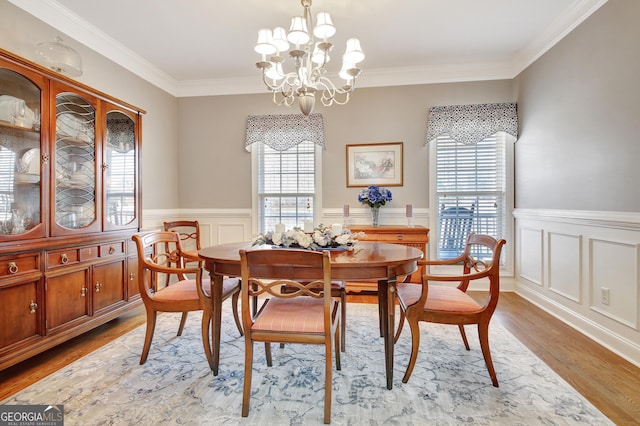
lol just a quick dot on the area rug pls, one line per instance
(449, 385)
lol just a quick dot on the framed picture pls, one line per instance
(375, 164)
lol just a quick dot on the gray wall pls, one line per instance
(578, 108)
(215, 169)
(579, 114)
(20, 32)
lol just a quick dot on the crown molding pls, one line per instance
(61, 18)
(559, 28)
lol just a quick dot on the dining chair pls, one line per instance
(189, 231)
(338, 290)
(452, 305)
(304, 316)
(158, 251)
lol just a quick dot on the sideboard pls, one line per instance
(412, 236)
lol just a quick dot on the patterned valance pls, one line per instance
(469, 124)
(282, 132)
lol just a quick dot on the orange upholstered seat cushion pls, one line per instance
(182, 290)
(186, 290)
(439, 298)
(228, 284)
(297, 315)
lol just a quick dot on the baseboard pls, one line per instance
(615, 343)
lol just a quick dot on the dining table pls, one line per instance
(385, 263)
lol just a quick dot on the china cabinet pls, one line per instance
(412, 236)
(69, 205)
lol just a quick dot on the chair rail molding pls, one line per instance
(583, 267)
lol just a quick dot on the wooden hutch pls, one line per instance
(69, 205)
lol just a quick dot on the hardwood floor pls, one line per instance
(608, 381)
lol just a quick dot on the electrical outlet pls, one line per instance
(604, 295)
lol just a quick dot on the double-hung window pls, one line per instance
(471, 176)
(471, 191)
(286, 155)
(286, 185)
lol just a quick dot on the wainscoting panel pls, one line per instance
(231, 233)
(530, 251)
(564, 261)
(591, 262)
(217, 226)
(614, 280)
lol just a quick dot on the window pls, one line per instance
(286, 185)
(7, 177)
(470, 192)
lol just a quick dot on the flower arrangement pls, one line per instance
(374, 196)
(322, 237)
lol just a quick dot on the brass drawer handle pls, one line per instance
(112, 249)
(98, 286)
(132, 276)
(32, 307)
(400, 237)
(64, 259)
(13, 268)
(83, 291)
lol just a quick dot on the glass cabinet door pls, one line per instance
(119, 170)
(75, 164)
(21, 159)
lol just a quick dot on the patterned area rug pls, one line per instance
(449, 385)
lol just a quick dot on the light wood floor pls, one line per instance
(608, 381)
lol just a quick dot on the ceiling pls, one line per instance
(205, 47)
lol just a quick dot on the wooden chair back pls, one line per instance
(189, 231)
(302, 314)
(160, 255)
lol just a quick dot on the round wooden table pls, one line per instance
(383, 262)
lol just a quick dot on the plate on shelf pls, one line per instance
(27, 178)
(30, 162)
(70, 125)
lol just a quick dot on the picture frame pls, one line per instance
(375, 164)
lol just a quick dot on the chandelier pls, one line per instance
(310, 57)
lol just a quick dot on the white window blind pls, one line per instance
(471, 191)
(121, 189)
(286, 185)
(7, 177)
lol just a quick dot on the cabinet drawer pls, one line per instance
(112, 249)
(88, 253)
(395, 238)
(57, 258)
(17, 265)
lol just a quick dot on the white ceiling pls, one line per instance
(205, 47)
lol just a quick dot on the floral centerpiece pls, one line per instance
(374, 197)
(322, 237)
